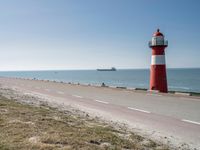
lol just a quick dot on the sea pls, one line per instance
(178, 79)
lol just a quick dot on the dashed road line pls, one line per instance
(48, 90)
(101, 101)
(60, 92)
(189, 121)
(144, 111)
(77, 96)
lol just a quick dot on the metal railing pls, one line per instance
(158, 43)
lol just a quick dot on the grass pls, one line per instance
(25, 127)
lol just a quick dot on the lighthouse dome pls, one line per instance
(158, 33)
(158, 40)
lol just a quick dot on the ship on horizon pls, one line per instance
(111, 69)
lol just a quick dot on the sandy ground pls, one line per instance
(79, 106)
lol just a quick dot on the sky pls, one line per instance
(90, 34)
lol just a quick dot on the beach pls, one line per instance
(172, 119)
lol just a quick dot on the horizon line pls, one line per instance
(93, 69)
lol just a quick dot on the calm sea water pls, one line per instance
(178, 79)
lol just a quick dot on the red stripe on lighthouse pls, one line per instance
(158, 51)
(158, 79)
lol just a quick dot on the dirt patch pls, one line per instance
(3, 111)
(34, 140)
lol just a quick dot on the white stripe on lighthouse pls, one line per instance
(158, 60)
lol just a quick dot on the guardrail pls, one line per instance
(158, 43)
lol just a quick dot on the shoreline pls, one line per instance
(135, 89)
(178, 81)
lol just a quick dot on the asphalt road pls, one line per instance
(169, 115)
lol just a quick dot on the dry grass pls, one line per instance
(27, 127)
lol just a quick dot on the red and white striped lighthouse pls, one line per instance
(158, 77)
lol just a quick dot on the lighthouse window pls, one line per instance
(153, 40)
(159, 40)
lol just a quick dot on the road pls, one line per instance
(164, 114)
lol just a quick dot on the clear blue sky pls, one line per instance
(90, 34)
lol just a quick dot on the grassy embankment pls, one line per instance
(24, 127)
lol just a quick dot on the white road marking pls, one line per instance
(48, 90)
(189, 99)
(101, 101)
(60, 92)
(77, 96)
(194, 122)
(139, 110)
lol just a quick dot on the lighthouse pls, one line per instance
(158, 76)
